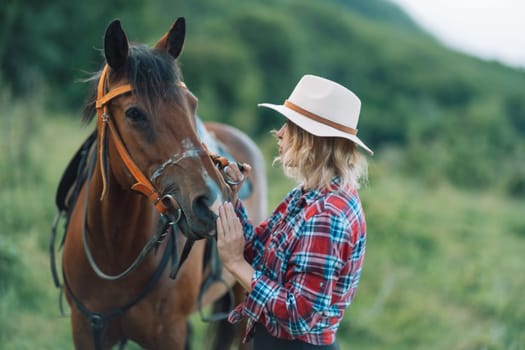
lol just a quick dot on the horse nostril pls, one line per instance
(201, 206)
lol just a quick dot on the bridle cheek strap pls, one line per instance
(143, 185)
(219, 161)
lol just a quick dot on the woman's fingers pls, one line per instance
(246, 168)
(230, 238)
(223, 216)
(220, 226)
(233, 221)
(235, 173)
(226, 222)
(229, 216)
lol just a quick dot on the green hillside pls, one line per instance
(444, 203)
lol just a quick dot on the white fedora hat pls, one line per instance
(323, 108)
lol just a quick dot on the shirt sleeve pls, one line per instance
(312, 273)
(257, 236)
(254, 236)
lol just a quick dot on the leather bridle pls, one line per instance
(104, 123)
(143, 184)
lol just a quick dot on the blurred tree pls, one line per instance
(221, 75)
(382, 11)
(50, 44)
(514, 108)
(270, 39)
(241, 53)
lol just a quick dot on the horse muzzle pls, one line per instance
(195, 216)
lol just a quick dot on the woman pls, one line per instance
(301, 266)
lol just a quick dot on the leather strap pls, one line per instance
(143, 185)
(120, 90)
(217, 159)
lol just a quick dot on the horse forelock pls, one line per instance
(152, 73)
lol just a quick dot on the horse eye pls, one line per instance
(136, 115)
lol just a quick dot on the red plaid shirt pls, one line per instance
(307, 258)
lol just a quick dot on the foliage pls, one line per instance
(50, 44)
(240, 54)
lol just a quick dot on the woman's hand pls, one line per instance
(230, 243)
(235, 174)
(230, 238)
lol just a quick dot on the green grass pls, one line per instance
(443, 270)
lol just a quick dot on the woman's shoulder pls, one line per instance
(339, 203)
(337, 214)
(340, 199)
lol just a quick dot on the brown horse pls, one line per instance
(149, 189)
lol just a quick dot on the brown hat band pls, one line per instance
(319, 119)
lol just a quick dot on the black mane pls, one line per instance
(153, 74)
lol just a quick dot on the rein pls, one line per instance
(164, 227)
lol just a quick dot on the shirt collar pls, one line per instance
(317, 192)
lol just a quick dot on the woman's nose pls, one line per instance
(280, 132)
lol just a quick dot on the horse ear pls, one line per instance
(173, 40)
(115, 45)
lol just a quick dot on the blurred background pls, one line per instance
(445, 198)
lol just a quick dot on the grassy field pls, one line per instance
(444, 268)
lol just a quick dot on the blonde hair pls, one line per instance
(315, 160)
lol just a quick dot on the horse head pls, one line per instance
(147, 135)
